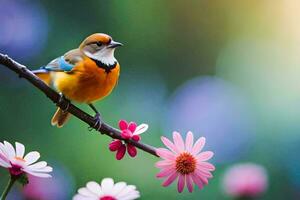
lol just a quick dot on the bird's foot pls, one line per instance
(62, 99)
(98, 123)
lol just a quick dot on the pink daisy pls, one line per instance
(107, 190)
(18, 164)
(128, 131)
(185, 161)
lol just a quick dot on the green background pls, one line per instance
(253, 46)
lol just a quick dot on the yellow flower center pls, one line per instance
(185, 163)
(19, 159)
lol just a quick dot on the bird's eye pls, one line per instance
(99, 44)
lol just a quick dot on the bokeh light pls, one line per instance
(245, 180)
(24, 28)
(216, 109)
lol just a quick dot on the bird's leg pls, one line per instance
(61, 99)
(97, 117)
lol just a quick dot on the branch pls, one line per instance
(63, 103)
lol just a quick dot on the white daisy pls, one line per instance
(14, 160)
(107, 191)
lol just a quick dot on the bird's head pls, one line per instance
(101, 47)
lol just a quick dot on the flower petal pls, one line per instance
(164, 163)
(206, 166)
(170, 179)
(169, 144)
(118, 187)
(123, 125)
(126, 191)
(132, 126)
(198, 146)
(4, 160)
(115, 145)
(165, 172)
(42, 175)
(4, 157)
(136, 138)
(3, 150)
(204, 173)
(94, 188)
(3, 163)
(46, 169)
(165, 154)
(20, 150)
(86, 193)
(181, 183)
(141, 129)
(121, 152)
(80, 197)
(178, 141)
(9, 150)
(38, 165)
(189, 140)
(206, 155)
(197, 181)
(203, 179)
(107, 185)
(131, 150)
(32, 157)
(131, 196)
(189, 183)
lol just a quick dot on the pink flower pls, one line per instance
(128, 131)
(184, 160)
(17, 164)
(245, 180)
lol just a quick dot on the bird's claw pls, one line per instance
(61, 99)
(97, 124)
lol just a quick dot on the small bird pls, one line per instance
(84, 75)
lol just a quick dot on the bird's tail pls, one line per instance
(44, 75)
(60, 118)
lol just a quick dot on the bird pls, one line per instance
(83, 75)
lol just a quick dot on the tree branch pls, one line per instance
(63, 103)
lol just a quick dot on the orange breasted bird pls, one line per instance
(84, 75)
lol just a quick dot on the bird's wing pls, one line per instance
(66, 62)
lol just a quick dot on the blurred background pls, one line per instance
(226, 70)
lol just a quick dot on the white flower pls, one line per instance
(107, 191)
(17, 164)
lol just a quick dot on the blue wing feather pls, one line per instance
(59, 64)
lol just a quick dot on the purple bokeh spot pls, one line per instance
(216, 109)
(24, 28)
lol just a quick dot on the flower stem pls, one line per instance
(9, 185)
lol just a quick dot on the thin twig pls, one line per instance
(23, 72)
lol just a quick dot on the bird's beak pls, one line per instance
(114, 44)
